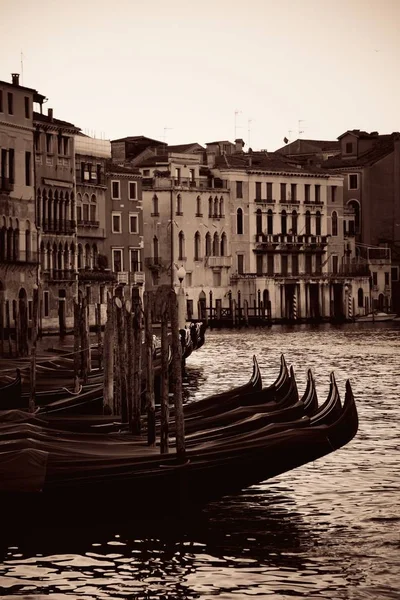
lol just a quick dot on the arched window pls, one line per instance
(270, 222)
(94, 254)
(55, 211)
(15, 242)
(198, 207)
(93, 208)
(42, 257)
(284, 222)
(221, 207)
(216, 244)
(60, 257)
(239, 221)
(334, 223)
(155, 248)
(85, 207)
(38, 207)
(258, 221)
(308, 222)
(80, 255)
(181, 246)
(87, 257)
(155, 206)
(360, 296)
(48, 257)
(294, 222)
(44, 209)
(72, 257)
(224, 244)
(216, 204)
(355, 205)
(197, 246)
(179, 208)
(208, 244)
(50, 210)
(210, 207)
(28, 241)
(317, 223)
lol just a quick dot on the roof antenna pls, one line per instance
(300, 131)
(237, 112)
(249, 122)
(22, 68)
(165, 133)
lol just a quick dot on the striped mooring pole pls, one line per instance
(350, 306)
(294, 305)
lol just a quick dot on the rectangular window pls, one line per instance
(11, 165)
(387, 279)
(293, 192)
(258, 190)
(333, 193)
(284, 264)
(270, 264)
(49, 143)
(27, 107)
(115, 190)
(259, 264)
(132, 190)
(134, 256)
(239, 189)
(146, 172)
(191, 172)
(269, 191)
(375, 278)
(37, 141)
(335, 263)
(307, 187)
(178, 175)
(117, 260)
(46, 304)
(133, 223)
(1, 101)
(98, 173)
(283, 192)
(216, 278)
(102, 294)
(116, 223)
(65, 144)
(317, 194)
(318, 264)
(395, 273)
(27, 168)
(308, 264)
(240, 263)
(349, 147)
(295, 264)
(59, 144)
(10, 103)
(353, 181)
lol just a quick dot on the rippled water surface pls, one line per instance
(326, 530)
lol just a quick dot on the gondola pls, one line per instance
(82, 476)
(10, 393)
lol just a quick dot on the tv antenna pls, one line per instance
(249, 122)
(22, 68)
(300, 131)
(165, 133)
(237, 112)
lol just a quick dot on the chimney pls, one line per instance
(15, 78)
(50, 113)
(239, 145)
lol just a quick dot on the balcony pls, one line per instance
(290, 239)
(313, 202)
(261, 201)
(218, 261)
(6, 185)
(136, 278)
(289, 201)
(154, 263)
(91, 179)
(96, 274)
(20, 257)
(59, 275)
(183, 183)
(88, 223)
(67, 227)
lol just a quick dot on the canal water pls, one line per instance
(329, 529)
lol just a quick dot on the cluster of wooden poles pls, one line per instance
(128, 360)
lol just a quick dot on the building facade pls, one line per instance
(18, 234)
(94, 274)
(124, 228)
(54, 143)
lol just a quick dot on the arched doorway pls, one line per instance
(202, 306)
(381, 302)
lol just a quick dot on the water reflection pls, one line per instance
(325, 530)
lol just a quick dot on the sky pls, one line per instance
(185, 71)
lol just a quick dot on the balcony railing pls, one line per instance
(184, 182)
(59, 275)
(218, 261)
(90, 178)
(88, 223)
(60, 227)
(96, 274)
(19, 257)
(264, 201)
(136, 278)
(6, 185)
(283, 238)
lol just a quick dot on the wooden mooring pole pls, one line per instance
(164, 398)
(137, 365)
(150, 403)
(109, 339)
(177, 378)
(35, 322)
(77, 345)
(122, 360)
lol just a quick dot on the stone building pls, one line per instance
(124, 227)
(18, 234)
(94, 273)
(56, 218)
(370, 166)
(289, 251)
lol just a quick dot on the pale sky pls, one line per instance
(130, 67)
